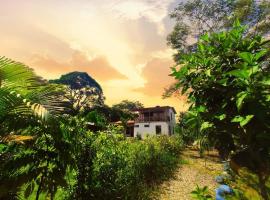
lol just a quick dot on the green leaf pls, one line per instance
(206, 125)
(208, 72)
(240, 73)
(242, 120)
(220, 117)
(260, 54)
(247, 57)
(223, 81)
(28, 190)
(2, 148)
(237, 118)
(240, 98)
(205, 37)
(201, 47)
(253, 70)
(266, 81)
(200, 109)
(236, 23)
(246, 120)
(182, 72)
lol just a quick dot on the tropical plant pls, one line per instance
(227, 82)
(201, 193)
(34, 154)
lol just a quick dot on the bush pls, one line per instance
(122, 168)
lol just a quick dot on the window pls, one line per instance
(137, 125)
(146, 125)
(158, 129)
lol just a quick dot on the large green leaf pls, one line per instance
(247, 57)
(206, 125)
(260, 54)
(240, 73)
(240, 98)
(242, 120)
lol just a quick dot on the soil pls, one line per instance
(193, 171)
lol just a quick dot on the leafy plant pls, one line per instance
(227, 83)
(201, 193)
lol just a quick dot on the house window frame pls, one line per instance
(158, 129)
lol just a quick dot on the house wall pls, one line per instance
(151, 130)
(172, 120)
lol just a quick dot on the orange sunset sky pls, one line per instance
(120, 43)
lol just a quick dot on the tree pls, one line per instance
(195, 17)
(227, 83)
(82, 92)
(128, 105)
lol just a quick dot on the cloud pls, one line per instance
(156, 73)
(154, 11)
(98, 67)
(121, 43)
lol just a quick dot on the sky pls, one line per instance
(120, 43)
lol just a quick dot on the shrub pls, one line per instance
(122, 168)
(201, 193)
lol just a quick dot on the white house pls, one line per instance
(159, 120)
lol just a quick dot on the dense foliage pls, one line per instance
(123, 168)
(227, 83)
(128, 105)
(77, 80)
(49, 153)
(82, 92)
(195, 17)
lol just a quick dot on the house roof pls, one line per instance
(156, 108)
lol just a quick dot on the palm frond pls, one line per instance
(16, 75)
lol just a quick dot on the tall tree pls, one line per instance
(128, 105)
(196, 17)
(193, 18)
(227, 83)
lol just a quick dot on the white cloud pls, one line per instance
(154, 11)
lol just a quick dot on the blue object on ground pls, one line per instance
(219, 179)
(222, 190)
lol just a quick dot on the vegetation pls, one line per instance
(201, 193)
(197, 17)
(194, 18)
(58, 140)
(227, 83)
(49, 153)
(128, 105)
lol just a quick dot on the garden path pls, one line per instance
(193, 170)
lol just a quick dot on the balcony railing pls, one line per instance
(152, 119)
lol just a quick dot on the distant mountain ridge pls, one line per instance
(77, 80)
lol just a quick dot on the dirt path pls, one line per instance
(194, 170)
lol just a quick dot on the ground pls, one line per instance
(193, 170)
